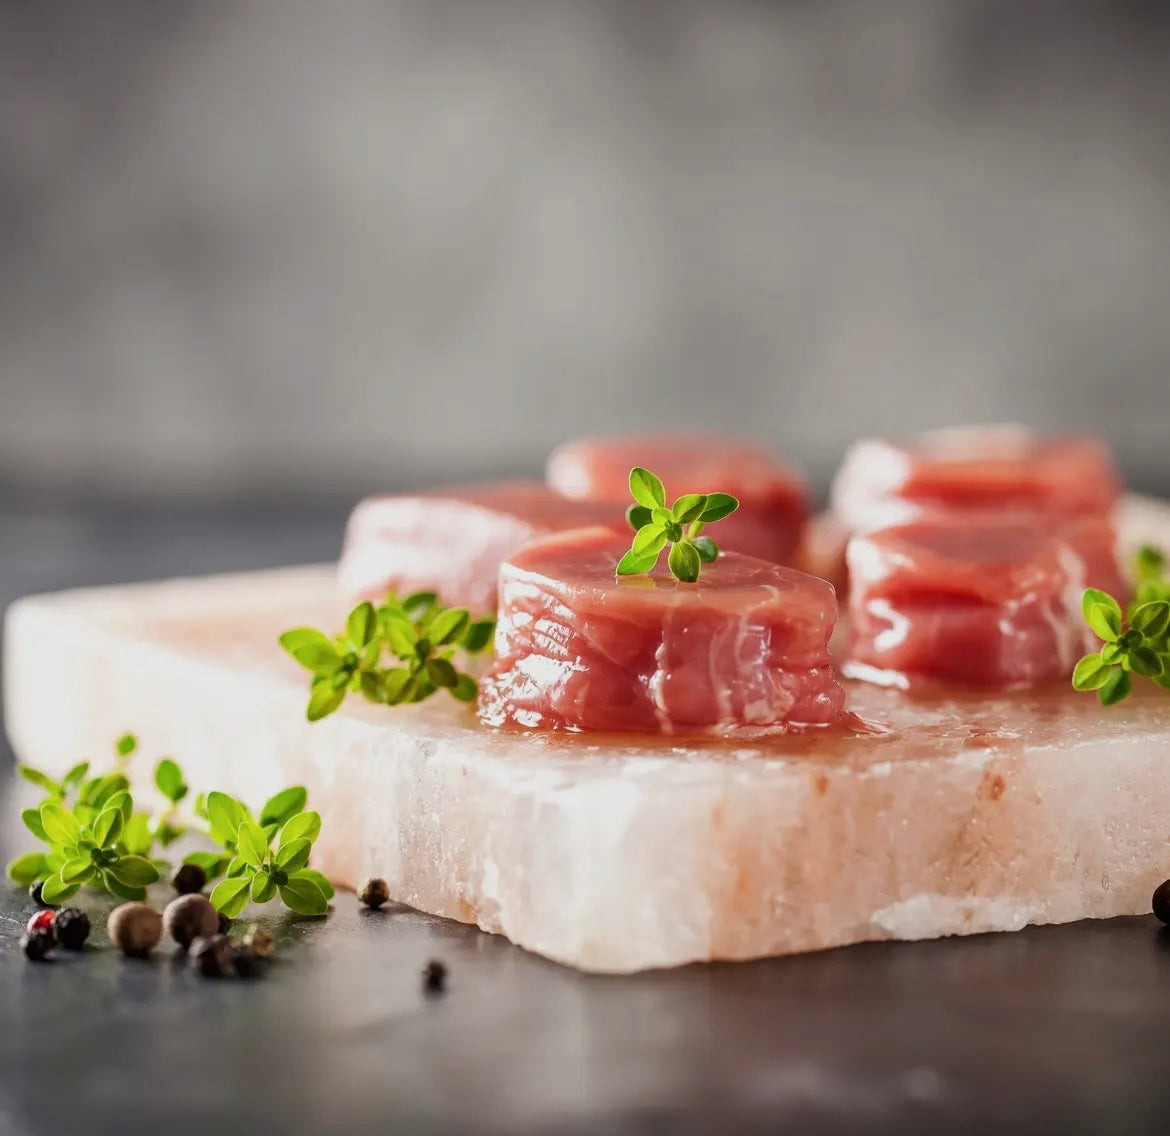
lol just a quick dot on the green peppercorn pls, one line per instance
(134, 928)
(374, 892)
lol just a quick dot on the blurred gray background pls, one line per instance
(286, 248)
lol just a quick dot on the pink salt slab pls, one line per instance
(452, 541)
(967, 815)
(773, 496)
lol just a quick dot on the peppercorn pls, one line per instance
(260, 941)
(211, 956)
(246, 962)
(435, 977)
(37, 944)
(188, 879)
(41, 921)
(374, 893)
(1161, 901)
(225, 924)
(134, 928)
(71, 928)
(35, 894)
(190, 917)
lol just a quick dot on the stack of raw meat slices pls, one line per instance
(971, 552)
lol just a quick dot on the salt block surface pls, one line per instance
(943, 816)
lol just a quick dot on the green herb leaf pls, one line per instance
(1145, 661)
(719, 505)
(689, 507)
(319, 879)
(442, 673)
(1104, 621)
(169, 779)
(59, 824)
(448, 626)
(1116, 689)
(77, 870)
(293, 854)
(107, 827)
(323, 701)
(312, 649)
(632, 564)
(1150, 561)
(32, 821)
(362, 625)
(707, 549)
(231, 895)
(684, 561)
(418, 605)
(225, 816)
(1094, 598)
(136, 835)
(27, 869)
(121, 801)
(1151, 619)
(263, 887)
(637, 516)
(75, 775)
(103, 789)
(649, 541)
(396, 684)
(41, 780)
(134, 871)
(212, 863)
(304, 826)
(1091, 673)
(646, 489)
(478, 635)
(55, 891)
(303, 895)
(401, 637)
(251, 844)
(285, 805)
(465, 689)
(123, 891)
(126, 745)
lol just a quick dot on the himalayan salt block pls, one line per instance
(977, 468)
(452, 541)
(980, 599)
(773, 496)
(743, 649)
(963, 814)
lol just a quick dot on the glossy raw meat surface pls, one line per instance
(745, 649)
(982, 599)
(452, 541)
(773, 496)
(978, 468)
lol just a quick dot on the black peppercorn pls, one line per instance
(190, 917)
(1161, 901)
(37, 944)
(71, 927)
(374, 893)
(188, 879)
(435, 977)
(225, 924)
(211, 957)
(245, 961)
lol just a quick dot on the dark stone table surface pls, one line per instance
(1057, 1029)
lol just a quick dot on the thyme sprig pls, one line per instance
(656, 526)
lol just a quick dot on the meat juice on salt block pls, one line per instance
(773, 497)
(451, 541)
(741, 652)
(989, 600)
